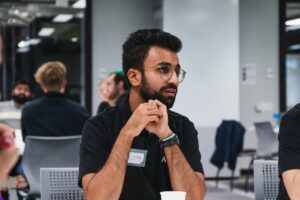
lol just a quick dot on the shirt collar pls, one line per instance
(54, 94)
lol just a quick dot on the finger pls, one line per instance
(160, 105)
(152, 108)
(155, 112)
(21, 185)
(144, 104)
(21, 182)
(152, 102)
(21, 179)
(153, 118)
(151, 105)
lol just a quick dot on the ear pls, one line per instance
(134, 77)
(121, 85)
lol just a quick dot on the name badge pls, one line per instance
(137, 157)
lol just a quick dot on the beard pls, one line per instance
(148, 93)
(20, 99)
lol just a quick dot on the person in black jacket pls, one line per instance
(53, 114)
(289, 155)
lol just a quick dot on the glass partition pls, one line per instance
(35, 32)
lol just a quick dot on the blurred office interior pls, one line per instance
(242, 57)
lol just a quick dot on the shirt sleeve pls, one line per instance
(289, 144)
(93, 149)
(190, 147)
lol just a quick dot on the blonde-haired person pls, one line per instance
(53, 114)
(51, 76)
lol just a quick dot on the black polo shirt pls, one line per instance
(100, 134)
(289, 146)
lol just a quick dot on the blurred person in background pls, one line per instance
(53, 114)
(113, 90)
(1, 59)
(10, 114)
(10, 111)
(289, 155)
(102, 86)
(9, 155)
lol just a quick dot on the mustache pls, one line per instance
(169, 86)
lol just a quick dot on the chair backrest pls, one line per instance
(45, 152)
(60, 183)
(266, 179)
(267, 143)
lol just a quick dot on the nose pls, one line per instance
(174, 78)
(25, 92)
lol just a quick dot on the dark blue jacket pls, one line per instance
(229, 143)
(53, 115)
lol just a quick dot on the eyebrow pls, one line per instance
(169, 64)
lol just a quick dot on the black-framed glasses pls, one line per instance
(166, 72)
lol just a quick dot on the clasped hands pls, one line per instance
(152, 116)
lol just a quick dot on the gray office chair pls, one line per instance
(60, 183)
(266, 179)
(267, 144)
(45, 152)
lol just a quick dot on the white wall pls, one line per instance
(113, 21)
(210, 55)
(259, 44)
(219, 37)
(209, 30)
(293, 80)
(213, 51)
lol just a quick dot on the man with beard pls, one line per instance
(112, 90)
(139, 148)
(10, 111)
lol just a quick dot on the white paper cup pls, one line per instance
(172, 195)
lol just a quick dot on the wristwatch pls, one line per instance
(169, 141)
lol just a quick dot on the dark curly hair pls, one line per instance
(136, 47)
(20, 82)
